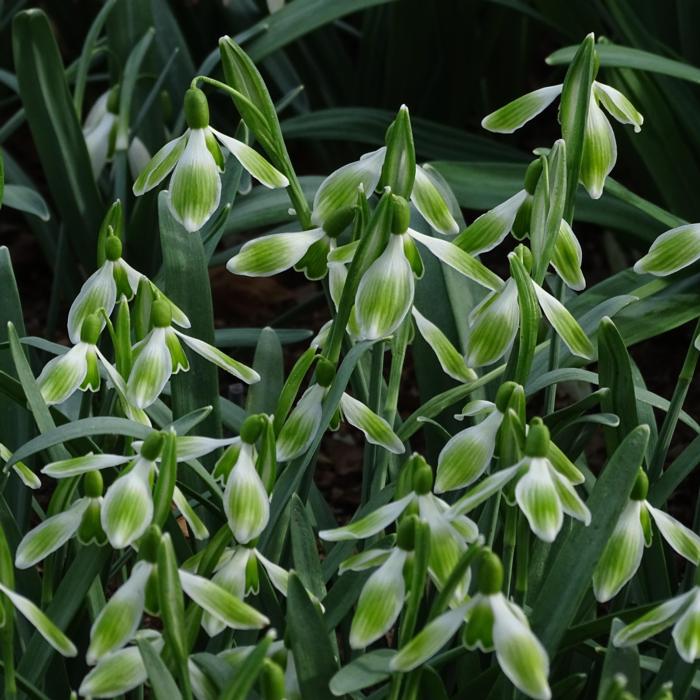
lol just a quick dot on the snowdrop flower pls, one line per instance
(623, 552)
(599, 146)
(495, 321)
(195, 159)
(449, 531)
(78, 368)
(82, 518)
(99, 131)
(493, 623)
(300, 428)
(683, 612)
(160, 354)
(385, 293)
(513, 216)
(25, 474)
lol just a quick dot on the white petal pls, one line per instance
(220, 359)
(370, 524)
(301, 426)
(686, 633)
(151, 370)
(161, 165)
(81, 465)
(512, 116)
(681, 538)
(116, 674)
(63, 375)
(375, 428)
(97, 142)
(618, 105)
(426, 197)
(484, 490)
(98, 292)
(537, 498)
(599, 150)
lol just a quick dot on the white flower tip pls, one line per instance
(22, 563)
(639, 267)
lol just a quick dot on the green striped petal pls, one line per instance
(151, 370)
(380, 602)
(686, 633)
(564, 465)
(467, 454)
(564, 324)
(537, 497)
(451, 361)
(231, 576)
(385, 293)
(339, 190)
(368, 559)
(63, 375)
(450, 254)
(681, 538)
(220, 359)
(484, 490)
(269, 255)
(193, 446)
(197, 527)
(116, 674)
(246, 503)
(489, 230)
(81, 465)
(43, 625)
(279, 578)
(520, 654)
(160, 166)
(671, 251)
(127, 509)
(252, 161)
(618, 105)
(431, 205)
(622, 554)
(301, 426)
(52, 534)
(567, 256)
(571, 502)
(98, 292)
(515, 114)
(119, 619)
(26, 475)
(494, 326)
(220, 603)
(370, 525)
(599, 150)
(375, 428)
(195, 187)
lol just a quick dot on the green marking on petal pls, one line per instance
(376, 429)
(116, 674)
(370, 525)
(81, 465)
(431, 205)
(686, 633)
(220, 359)
(515, 114)
(537, 498)
(151, 370)
(681, 538)
(567, 256)
(618, 105)
(98, 292)
(671, 251)
(63, 375)
(160, 166)
(301, 426)
(599, 150)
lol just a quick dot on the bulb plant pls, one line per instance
(183, 546)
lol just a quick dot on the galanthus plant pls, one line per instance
(438, 473)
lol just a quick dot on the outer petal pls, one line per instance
(119, 619)
(449, 358)
(339, 189)
(370, 525)
(246, 503)
(621, 556)
(196, 525)
(220, 603)
(512, 116)
(150, 372)
(230, 577)
(193, 447)
(63, 375)
(656, 620)
(567, 256)
(97, 142)
(564, 324)
(467, 454)
(599, 150)
(367, 559)
(450, 254)
(160, 166)
(97, 112)
(483, 491)
(253, 162)
(81, 465)
(571, 502)
(380, 602)
(53, 533)
(195, 187)
(385, 292)
(618, 105)
(127, 509)
(98, 292)
(520, 654)
(116, 674)
(537, 498)
(278, 576)
(686, 633)
(376, 429)
(220, 359)
(681, 538)
(671, 251)
(301, 426)
(486, 232)
(430, 203)
(429, 640)
(41, 623)
(494, 327)
(269, 255)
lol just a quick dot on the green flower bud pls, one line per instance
(149, 543)
(406, 534)
(161, 315)
(338, 221)
(505, 391)
(93, 485)
(113, 100)
(325, 372)
(252, 575)
(251, 429)
(272, 681)
(90, 330)
(490, 580)
(537, 441)
(401, 214)
(196, 109)
(113, 247)
(532, 175)
(152, 446)
(641, 487)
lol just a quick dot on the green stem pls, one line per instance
(522, 560)
(375, 396)
(509, 540)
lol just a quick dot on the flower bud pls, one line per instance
(196, 109)
(90, 331)
(272, 681)
(161, 315)
(401, 214)
(325, 372)
(251, 429)
(505, 391)
(525, 255)
(641, 486)
(537, 441)
(152, 446)
(490, 580)
(423, 480)
(532, 175)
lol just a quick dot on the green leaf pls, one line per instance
(365, 671)
(313, 655)
(27, 200)
(162, 683)
(529, 319)
(171, 604)
(268, 363)
(248, 671)
(304, 552)
(569, 576)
